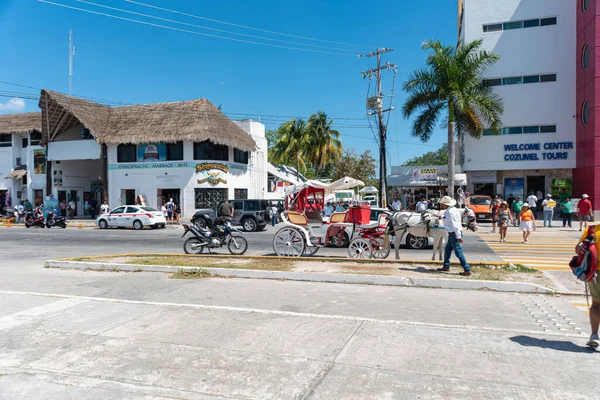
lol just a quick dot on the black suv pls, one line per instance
(252, 215)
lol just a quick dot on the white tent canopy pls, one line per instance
(296, 188)
(368, 189)
(343, 184)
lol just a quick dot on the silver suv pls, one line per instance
(250, 214)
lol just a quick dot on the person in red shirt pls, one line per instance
(585, 211)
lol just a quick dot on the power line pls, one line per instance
(207, 28)
(192, 32)
(245, 27)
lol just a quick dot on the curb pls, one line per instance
(437, 283)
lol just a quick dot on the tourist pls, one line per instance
(516, 207)
(423, 204)
(163, 210)
(340, 207)
(532, 201)
(63, 208)
(510, 200)
(226, 210)
(396, 204)
(585, 211)
(178, 213)
(527, 222)
(19, 210)
(104, 207)
(565, 209)
(594, 290)
(274, 211)
(548, 205)
(504, 218)
(453, 225)
(494, 205)
(327, 210)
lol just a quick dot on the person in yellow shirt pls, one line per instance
(594, 286)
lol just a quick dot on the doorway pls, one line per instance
(127, 197)
(164, 195)
(485, 189)
(536, 184)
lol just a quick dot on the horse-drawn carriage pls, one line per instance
(305, 230)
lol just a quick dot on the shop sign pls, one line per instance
(213, 173)
(537, 151)
(39, 162)
(425, 174)
(514, 186)
(58, 178)
(152, 152)
(168, 179)
(482, 176)
(151, 165)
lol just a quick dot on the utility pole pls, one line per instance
(71, 54)
(375, 105)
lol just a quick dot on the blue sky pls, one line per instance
(132, 63)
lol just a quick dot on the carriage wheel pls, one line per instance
(312, 247)
(377, 244)
(360, 248)
(289, 242)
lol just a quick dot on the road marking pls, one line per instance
(82, 299)
(26, 316)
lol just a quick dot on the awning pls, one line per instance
(282, 173)
(16, 174)
(407, 181)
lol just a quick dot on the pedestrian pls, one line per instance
(163, 209)
(274, 211)
(510, 201)
(516, 207)
(527, 222)
(226, 210)
(548, 204)
(327, 210)
(63, 208)
(72, 208)
(585, 211)
(19, 213)
(565, 209)
(170, 210)
(396, 204)
(504, 218)
(178, 213)
(423, 204)
(453, 226)
(340, 207)
(594, 290)
(104, 207)
(494, 205)
(532, 201)
(93, 207)
(28, 205)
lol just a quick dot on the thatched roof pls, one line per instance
(21, 123)
(195, 120)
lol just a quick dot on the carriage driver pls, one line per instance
(453, 226)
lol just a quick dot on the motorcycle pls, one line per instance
(31, 221)
(55, 220)
(220, 234)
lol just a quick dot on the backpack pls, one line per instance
(170, 206)
(585, 265)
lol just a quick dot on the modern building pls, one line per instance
(22, 162)
(188, 151)
(543, 139)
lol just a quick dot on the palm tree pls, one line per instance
(293, 140)
(326, 143)
(451, 89)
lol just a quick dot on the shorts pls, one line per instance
(585, 218)
(169, 214)
(526, 226)
(595, 289)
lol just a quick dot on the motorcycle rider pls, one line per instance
(39, 211)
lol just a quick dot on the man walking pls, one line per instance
(422, 205)
(517, 206)
(585, 211)
(19, 212)
(104, 207)
(72, 208)
(532, 201)
(274, 211)
(396, 205)
(453, 226)
(170, 210)
(548, 206)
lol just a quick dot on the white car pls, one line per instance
(136, 217)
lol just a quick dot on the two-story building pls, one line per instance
(22, 159)
(188, 151)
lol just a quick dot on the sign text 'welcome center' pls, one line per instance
(547, 151)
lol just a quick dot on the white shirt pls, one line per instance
(532, 201)
(104, 208)
(396, 205)
(163, 209)
(274, 210)
(72, 205)
(20, 209)
(452, 222)
(422, 206)
(549, 204)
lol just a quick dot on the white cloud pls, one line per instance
(13, 105)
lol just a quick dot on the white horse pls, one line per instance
(427, 224)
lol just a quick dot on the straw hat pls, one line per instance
(447, 201)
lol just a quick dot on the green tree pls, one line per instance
(292, 144)
(359, 166)
(437, 157)
(450, 89)
(325, 142)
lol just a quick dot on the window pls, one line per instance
(126, 153)
(24, 142)
(514, 130)
(240, 194)
(238, 205)
(132, 210)
(35, 138)
(493, 82)
(209, 151)
(209, 198)
(585, 56)
(530, 23)
(488, 132)
(512, 25)
(585, 113)
(240, 156)
(515, 80)
(548, 21)
(252, 205)
(531, 129)
(531, 79)
(5, 140)
(149, 209)
(118, 210)
(548, 129)
(492, 28)
(548, 78)
(175, 151)
(584, 5)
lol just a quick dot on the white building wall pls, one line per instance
(6, 165)
(8, 161)
(527, 51)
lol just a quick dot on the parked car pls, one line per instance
(411, 241)
(480, 204)
(136, 217)
(251, 215)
